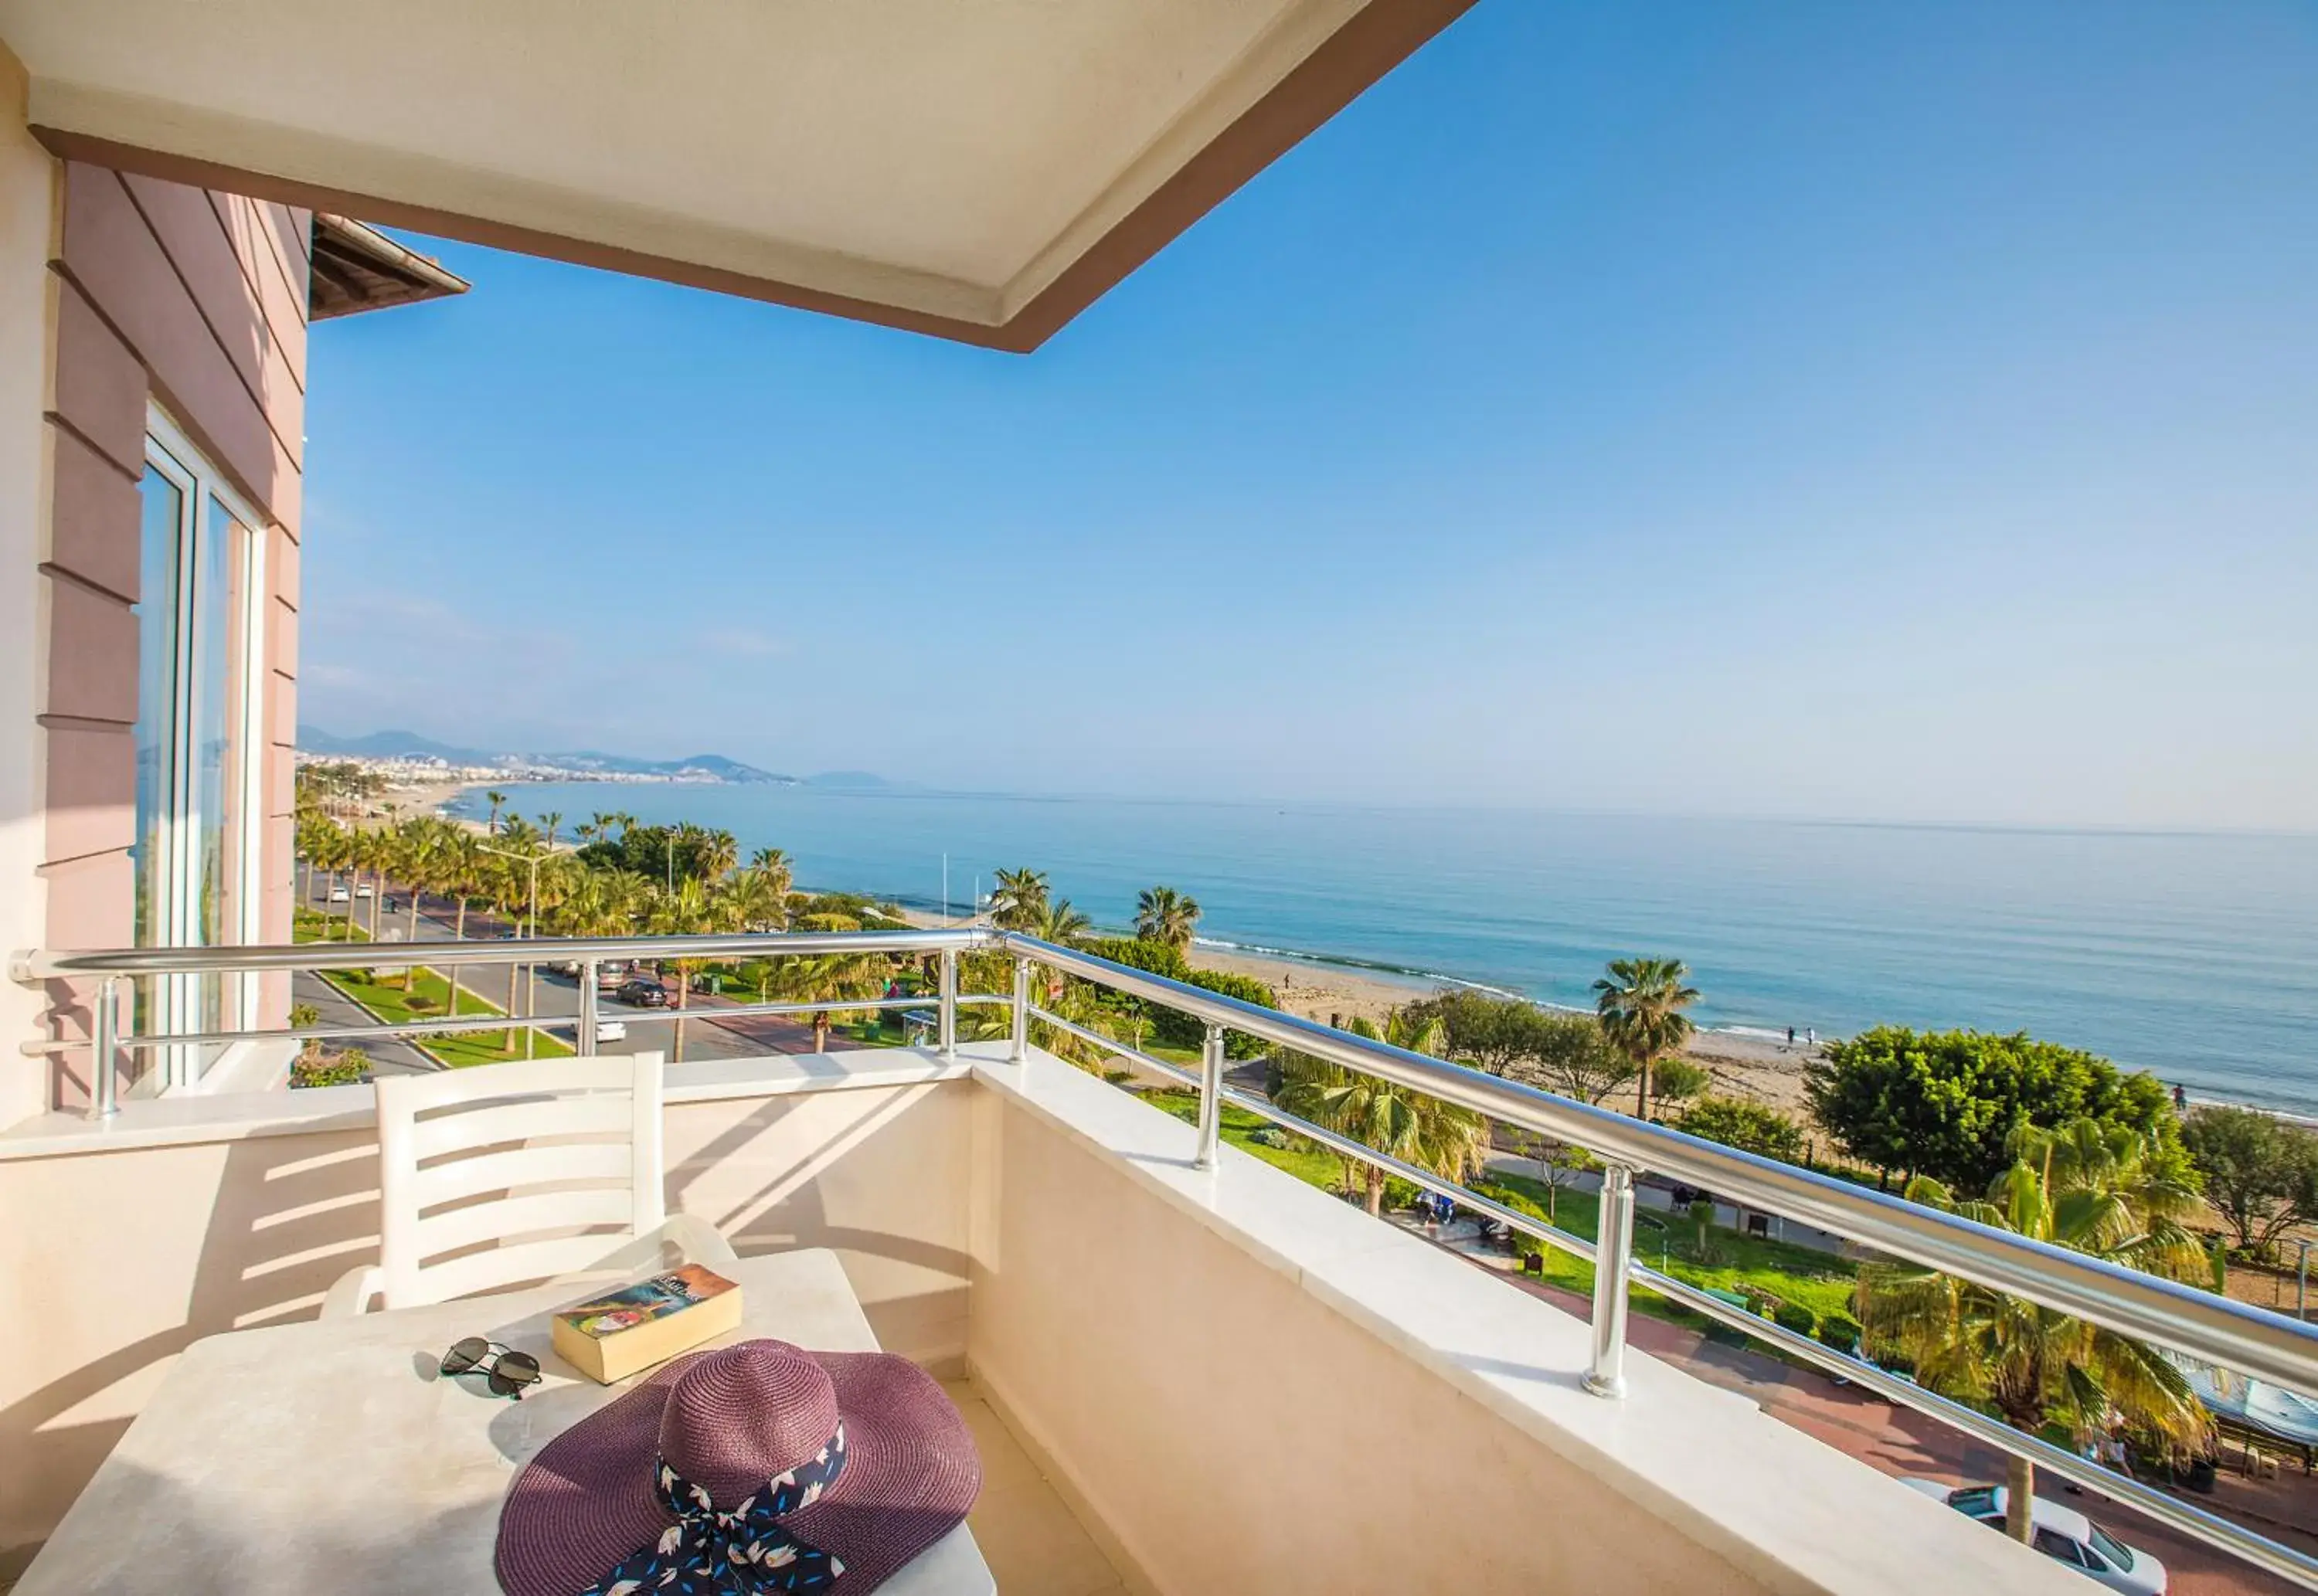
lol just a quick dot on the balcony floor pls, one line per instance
(1035, 1544)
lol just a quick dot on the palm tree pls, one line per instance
(1061, 923)
(1017, 899)
(1640, 1003)
(715, 853)
(759, 899)
(498, 801)
(1402, 1124)
(2086, 1188)
(1162, 914)
(775, 865)
(830, 978)
(690, 910)
(552, 819)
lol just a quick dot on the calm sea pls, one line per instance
(2194, 955)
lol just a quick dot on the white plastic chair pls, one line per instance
(557, 1161)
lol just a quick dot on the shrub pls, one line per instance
(1748, 1126)
(1178, 1029)
(1796, 1317)
(1839, 1333)
(336, 1069)
(1675, 1081)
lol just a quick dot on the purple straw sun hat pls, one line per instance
(755, 1469)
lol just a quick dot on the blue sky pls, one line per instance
(1877, 412)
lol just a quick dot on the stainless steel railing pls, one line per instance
(2164, 1313)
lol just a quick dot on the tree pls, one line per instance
(1061, 924)
(498, 801)
(1748, 1126)
(1943, 1103)
(774, 865)
(691, 910)
(1401, 1124)
(1640, 1002)
(2095, 1190)
(1167, 917)
(1514, 1037)
(2260, 1172)
(1678, 1080)
(1017, 899)
(758, 897)
(826, 978)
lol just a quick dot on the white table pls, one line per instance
(330, 1457)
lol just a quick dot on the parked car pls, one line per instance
(611, 1030)
(611, 974)
(338, 895)
(644, 994)
(365, 890)
(2061, 1533)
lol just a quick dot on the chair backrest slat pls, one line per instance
(519, 1167)
(511, 1219)
(501, 1266)
(537, 1178)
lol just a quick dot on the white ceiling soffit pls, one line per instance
(980, 169)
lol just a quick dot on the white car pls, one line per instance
(2061, 1533)
(339, 894)
(611, 1030)
(364, 890)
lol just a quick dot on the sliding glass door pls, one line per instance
(197, 740)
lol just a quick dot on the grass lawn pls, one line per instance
(307, 926)
(1307, 1163)
(427, 1000)
(1816, 1280)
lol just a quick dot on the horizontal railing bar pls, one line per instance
(2235, 1335)
(473, 1022)
(42, 965)
(1117, 1048)
(1343, 1146)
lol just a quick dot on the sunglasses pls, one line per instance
(505, 1370)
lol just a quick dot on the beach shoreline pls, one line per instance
(1758, 1066)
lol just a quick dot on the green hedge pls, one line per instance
(1172, 1028)
(1796, 1317)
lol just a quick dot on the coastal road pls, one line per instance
(553, 996)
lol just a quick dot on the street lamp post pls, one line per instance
(530, 931)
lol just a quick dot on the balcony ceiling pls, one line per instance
(979, 169)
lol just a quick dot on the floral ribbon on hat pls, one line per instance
(741, 1553)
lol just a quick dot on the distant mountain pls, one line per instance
(581, 764)
(388, 745)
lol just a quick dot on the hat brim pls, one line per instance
(587, 1501)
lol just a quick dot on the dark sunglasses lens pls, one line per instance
(465, 1354)
(513, 1372)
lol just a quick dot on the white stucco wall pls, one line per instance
(28, 198)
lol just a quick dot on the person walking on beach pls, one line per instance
(2180, 1097)
(1791, 1035)
(1811, 1037)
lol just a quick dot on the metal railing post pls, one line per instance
(104, 1022)
(946, 1037)
(1020, 1052)
(1211, 1096)
(586, 1038)
(1613, 1253)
